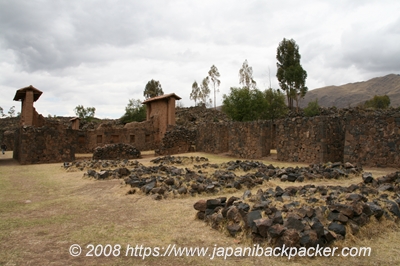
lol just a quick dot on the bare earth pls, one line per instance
(44, 210)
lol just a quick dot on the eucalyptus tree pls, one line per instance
(213, 75)
(152, 89)
(246, 76)
(196, 92)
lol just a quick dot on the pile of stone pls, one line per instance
(178, 159)
(192, 116)
(195, 175)
(304, 216)
(116, 151)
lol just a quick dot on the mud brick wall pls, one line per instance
(314, 140)
(44, 145)
(143, 135)
(373, 139)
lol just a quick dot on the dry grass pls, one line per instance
(44, 210)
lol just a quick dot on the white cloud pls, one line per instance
(103, 53)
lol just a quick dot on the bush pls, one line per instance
(312, 109)
(378, 102)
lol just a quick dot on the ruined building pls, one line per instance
(367, 137)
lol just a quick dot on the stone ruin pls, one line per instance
(116, 151)
(40, 140)
(366, 137)
(304, 216)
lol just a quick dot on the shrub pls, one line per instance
(312, 109)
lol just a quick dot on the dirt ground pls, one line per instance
(44, 210)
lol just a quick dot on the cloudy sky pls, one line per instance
(101, 53)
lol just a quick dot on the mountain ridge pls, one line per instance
(352, 94)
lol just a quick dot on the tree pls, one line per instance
(152, 89)
(2, 112)
(290, 74)
(243, 104)
(275, 104)
(312, 108)
(205, 92)
(83, 113)
(213, 75)
(246, 76)
(196, 92)
(134, 111)
(11, 112)
(378, 102)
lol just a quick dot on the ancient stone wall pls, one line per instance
(213, 137)
(310, 139)
(177, 139)
(45, 144)
(250, 139)
(373, 139)
(245, 140)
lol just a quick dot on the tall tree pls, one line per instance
(196, 93)
(205, 91)
(290, 74)
(152, 89)
(2, 112)
(213, 74)
(246, 76)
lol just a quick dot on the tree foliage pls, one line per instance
(134, 111)
(243, 104)
(205, 92)
(86, 114)
(290, 74)
(196, 93)
(378, 102)
(312, 109)
(213, 75)
(2, 112)
(275, 106)
(11, 112)
(152, 89)
(246, 76)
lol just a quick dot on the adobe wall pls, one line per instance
(310, 139)
(373, 139)
(142, 135)
(161, 110)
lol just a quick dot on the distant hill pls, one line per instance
(354, 93)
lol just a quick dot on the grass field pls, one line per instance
(44, 210)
